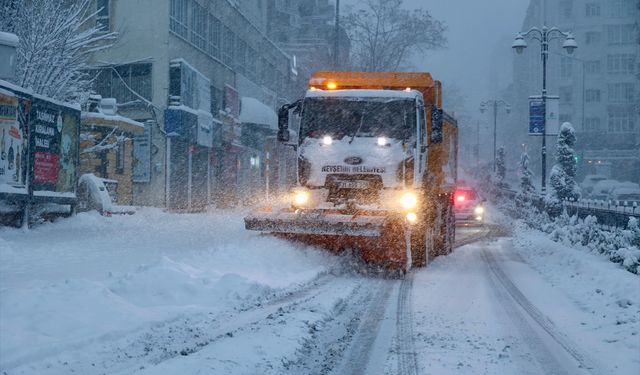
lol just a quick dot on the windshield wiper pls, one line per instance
(359, 127)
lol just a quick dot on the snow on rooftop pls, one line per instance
(9, 39)
(253, 111)
(356, 93)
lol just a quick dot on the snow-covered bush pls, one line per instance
(562, 177)
(619, 245)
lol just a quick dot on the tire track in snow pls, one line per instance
(164, 340)
(359, 352)
(511, 298)
(407, 355)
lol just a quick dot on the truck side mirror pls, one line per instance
(283, 123)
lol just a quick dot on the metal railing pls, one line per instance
(610, 212)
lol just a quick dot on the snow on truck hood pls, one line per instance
(362, 94)
(332, 159)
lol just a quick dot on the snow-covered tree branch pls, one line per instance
(384, 36)
(56, 40)
(107, 143)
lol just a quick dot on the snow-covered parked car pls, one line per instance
(590, 182)
(468, 206)
(94, 194)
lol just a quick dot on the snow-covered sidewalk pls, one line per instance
(90, 278)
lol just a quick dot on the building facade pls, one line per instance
(598, 86)
(182, 67)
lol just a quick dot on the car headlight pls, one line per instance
(300, 197)
(479, 210)
(409, 201)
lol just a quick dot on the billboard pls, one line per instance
(14, 111)
(54, 141)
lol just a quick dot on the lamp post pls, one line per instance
(544, 36)
(495, 104)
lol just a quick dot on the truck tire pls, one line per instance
(419, 255)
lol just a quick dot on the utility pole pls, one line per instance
(336, 38)
(495, 103)
(544, 35)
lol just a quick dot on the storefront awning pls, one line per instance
(112, 121)
(253, 111)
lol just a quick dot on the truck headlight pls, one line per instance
(412, 217)
(409, 200)
(327, 140)
(479, 210)
(300, 197)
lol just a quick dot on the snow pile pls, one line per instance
(619, 245)
(88, 279)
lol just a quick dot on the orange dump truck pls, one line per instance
(377, 161)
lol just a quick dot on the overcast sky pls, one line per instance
(478, 30)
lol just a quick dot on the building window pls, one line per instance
(102, 17)
(566, 94)
(592, 124)
(592, 67)
(565, 8)
(179, 17)
(252, 64)
(213, 47)
(620, 34)
(621, 8)
(592, 10)
(592, 96)
(228, 46)
(592, 37)
(621, 63)
(621, 122)
(241, 55)
(565, 67)
(124, 82)
(198, 25)
(621, 92)
(216, 100)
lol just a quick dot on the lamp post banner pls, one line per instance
(536, 117)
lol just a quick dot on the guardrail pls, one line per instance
(611, 213)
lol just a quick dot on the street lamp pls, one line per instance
(544, 36)
(495, 103)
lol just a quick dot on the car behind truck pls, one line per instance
(376, 168)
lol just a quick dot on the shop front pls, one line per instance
(190, 136)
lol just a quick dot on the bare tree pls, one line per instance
(56, 40)
(384, 36)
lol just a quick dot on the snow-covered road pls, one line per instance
(158, 293)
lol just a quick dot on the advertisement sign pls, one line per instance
(553, 115)
(536, 117)
(544, 118)
(54, 138)
(13, 121)
(142, 154)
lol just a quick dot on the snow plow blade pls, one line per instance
(318, 223)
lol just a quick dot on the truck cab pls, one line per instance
(359, 147)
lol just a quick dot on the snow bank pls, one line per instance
(88, 278)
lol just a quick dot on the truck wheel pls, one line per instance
(419, 249)
(389, 250)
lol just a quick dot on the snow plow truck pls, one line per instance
(377, 165)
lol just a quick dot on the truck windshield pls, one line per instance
(344, 117)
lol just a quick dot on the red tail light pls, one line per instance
(460, 198)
